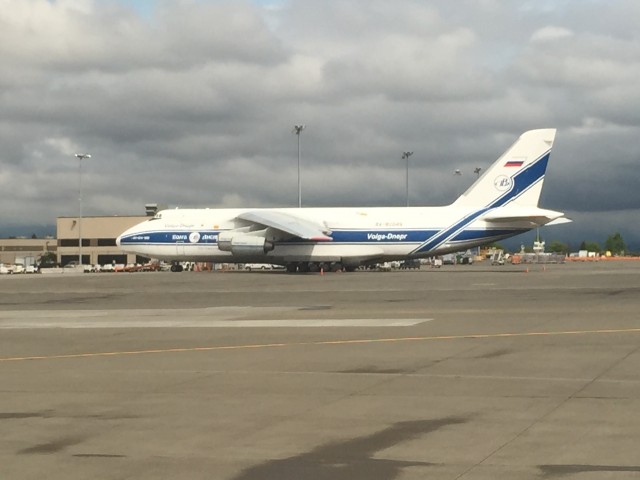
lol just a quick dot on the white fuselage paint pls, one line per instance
(502, 203)
(360, 234)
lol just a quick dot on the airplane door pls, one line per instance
(180, 248)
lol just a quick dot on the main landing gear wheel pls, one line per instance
(176, 267)
(303, 267)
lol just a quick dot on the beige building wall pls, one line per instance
(33, 248)
(98, 239)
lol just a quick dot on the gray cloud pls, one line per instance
(192, 103)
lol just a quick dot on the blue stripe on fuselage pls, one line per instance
(170, 237)
(381, 236)
(371, 237)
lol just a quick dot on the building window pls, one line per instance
(72, 242)
(64, 259)
(106, 242)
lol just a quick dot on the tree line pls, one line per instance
(614, 244)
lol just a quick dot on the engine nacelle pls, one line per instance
(240, 244)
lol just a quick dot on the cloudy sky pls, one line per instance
(192, 102)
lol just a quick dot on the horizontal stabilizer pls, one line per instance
(559, 221)
(538, 216)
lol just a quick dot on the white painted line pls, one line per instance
(205, 323)
(210, 317)
(209, 312)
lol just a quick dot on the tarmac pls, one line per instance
(464, 372)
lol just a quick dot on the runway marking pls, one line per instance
(322, 342)
(208, 323)
(210, 317)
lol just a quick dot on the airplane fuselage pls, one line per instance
(502, 203)
(359, 235)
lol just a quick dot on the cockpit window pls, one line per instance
(157, 216)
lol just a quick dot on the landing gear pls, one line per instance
(315, 267)
(301, 267)
(176, 267)
(292, 267)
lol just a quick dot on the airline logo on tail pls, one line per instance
(502, 183)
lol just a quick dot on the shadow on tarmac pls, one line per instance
(350, 459)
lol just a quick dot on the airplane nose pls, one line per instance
(118, 240)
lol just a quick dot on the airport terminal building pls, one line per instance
(99, 235)
(26, 250)
(98, 239)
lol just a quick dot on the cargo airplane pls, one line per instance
(502, 203)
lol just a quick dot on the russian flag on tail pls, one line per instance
(514, 163)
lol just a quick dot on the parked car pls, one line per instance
(6, 269)
(257, 266)
(465, 260)
(449, 259)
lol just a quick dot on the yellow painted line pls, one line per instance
(324, 342)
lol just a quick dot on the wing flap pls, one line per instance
(287, 223)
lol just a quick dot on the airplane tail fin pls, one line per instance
(516, 177)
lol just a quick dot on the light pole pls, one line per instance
(405, 156)
(80, 156)
(297, 129)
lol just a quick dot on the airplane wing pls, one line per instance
(538, 216)
(287, 223)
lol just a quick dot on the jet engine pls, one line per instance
(243, 245)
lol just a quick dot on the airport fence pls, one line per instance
(538, 258)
